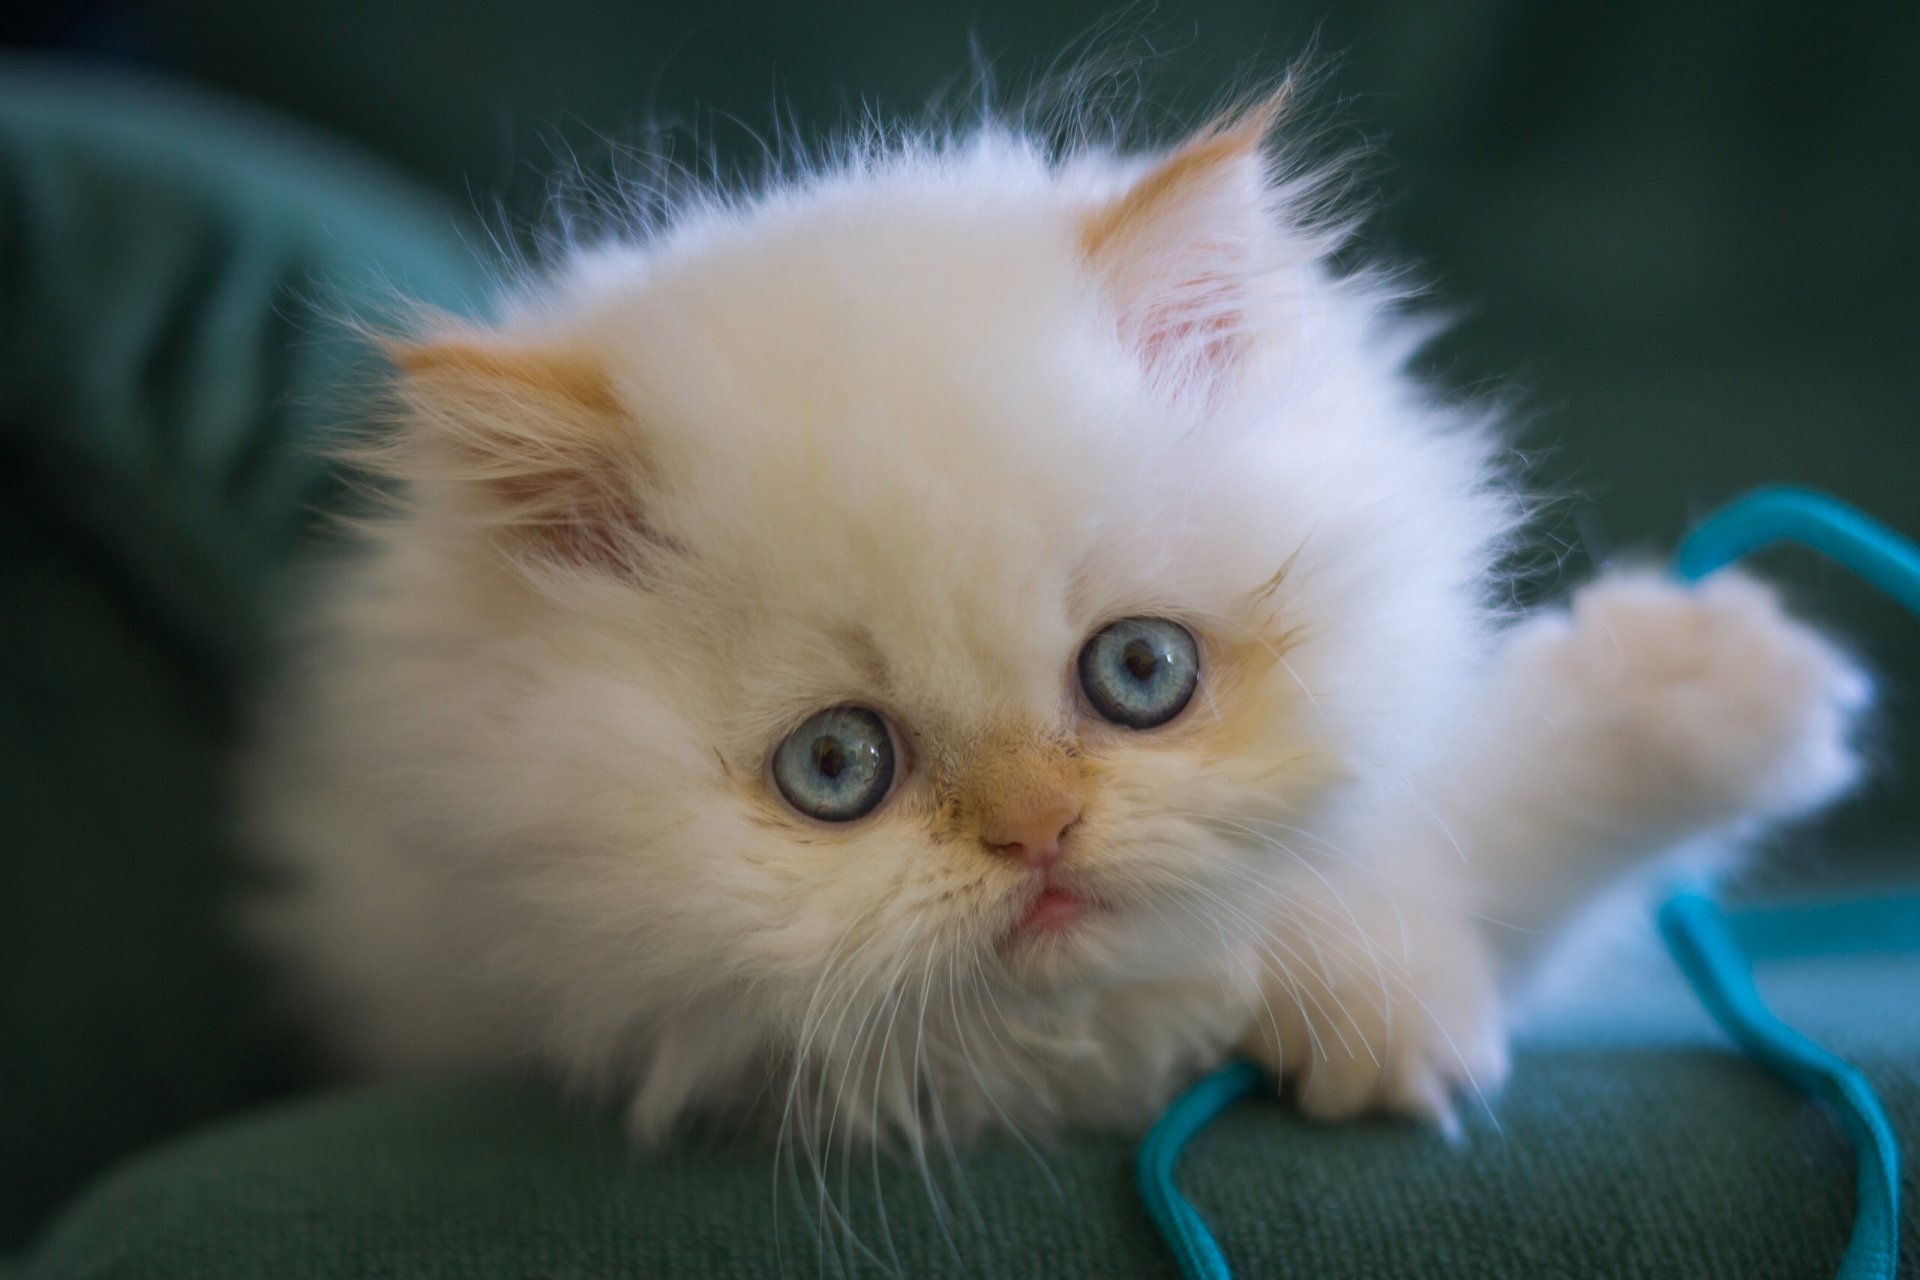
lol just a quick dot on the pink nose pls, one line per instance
(1037, 839)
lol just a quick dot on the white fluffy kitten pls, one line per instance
(1148, 604)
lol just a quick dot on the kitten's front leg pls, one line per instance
(1379, 995)
(1646, 716)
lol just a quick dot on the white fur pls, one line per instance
(525, 804)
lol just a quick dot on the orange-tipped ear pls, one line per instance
(530, 441)
(1181, 249)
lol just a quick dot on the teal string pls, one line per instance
(1704, 945)
(1715, 950)
(1180, 1224)
(1825, 524)
(1712, 948)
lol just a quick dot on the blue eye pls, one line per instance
(838, 766)
(1140, 672)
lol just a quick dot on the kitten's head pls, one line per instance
(958, 575)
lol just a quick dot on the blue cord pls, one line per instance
(1704, 945)
(1180, 1224)
(1708, 945)
(1711, 948)
(1828, 525)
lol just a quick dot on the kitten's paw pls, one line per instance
(1707, 702)
(1413, 1038)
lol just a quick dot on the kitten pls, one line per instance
(964, 638)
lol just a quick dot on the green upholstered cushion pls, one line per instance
(167, 266)
(1624, 1149)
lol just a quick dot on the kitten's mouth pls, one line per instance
(1053, 912)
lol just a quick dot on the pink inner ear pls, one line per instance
(1181, 249)
(1192, 329)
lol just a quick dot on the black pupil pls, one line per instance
(829, 757)
(1140, 660)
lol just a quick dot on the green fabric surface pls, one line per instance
(167, 267)
(1637, 1147)
(1607, 1163)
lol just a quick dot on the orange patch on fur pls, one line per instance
(565, 377)
(538, 440)
(1247, 693)
(1008, 776)
(1231, 138)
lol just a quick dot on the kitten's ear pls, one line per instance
(1182, 250)
(530, 442)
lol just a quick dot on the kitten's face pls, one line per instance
(909, 453)
(928, 489)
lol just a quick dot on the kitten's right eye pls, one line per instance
(838, 766)
(1140, 672)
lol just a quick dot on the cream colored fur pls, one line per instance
(903, 432)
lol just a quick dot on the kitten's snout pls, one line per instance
(1021, 792)
(1038, 838)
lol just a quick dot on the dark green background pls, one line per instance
(1678, 238)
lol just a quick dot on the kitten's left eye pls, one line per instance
(1140, 672)
(838, 766)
